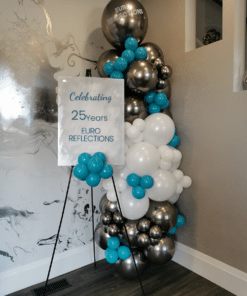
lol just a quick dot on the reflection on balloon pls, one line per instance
(142, 76)
(162, 252)
(134, 108)
(166, 72)
(144, 225)
(122, 19)
(163, 214)
(107, 56)
(127, 267)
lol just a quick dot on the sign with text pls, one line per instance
(90, 118)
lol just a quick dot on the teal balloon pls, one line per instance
(131, 44)
(141, 53)
(153, 108)
(108, 68)
(180, 221)
(160, 99)
(95, 165)
(123, 252)
(174, 142)
(120, 64)
(173, 230)
(147, 182)
(149, 97)
(111, 255)
(133, 180)
(101, 156)
(116, 75)
(129, 55)
(138, 192)
(84, 158)
(93, 180)
(106, 172)
(113, 243)
(81, 172)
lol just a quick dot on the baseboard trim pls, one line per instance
(225, 276)
(31, 274)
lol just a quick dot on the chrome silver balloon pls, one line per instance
(132, 231)
(162, 252)
(158, 63)
(143, 240)
(154, 52)
(107, 56)
(113, 230)
(166, 89)
(134, 108)
(144, 225)
(163, 214)
(101, 236)
(122, 19)
(142, 76)
(155, 232)
(106, 218)
(161, 84)
(166, 72)
(107, 206)
(127, 267)
(118, 218)
(154, 241)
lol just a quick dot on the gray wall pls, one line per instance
(212, 124)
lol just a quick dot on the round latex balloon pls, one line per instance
(143, 159)
(134, 108)
(107, 56)
(166, 88)
(153, 52)
(142, 76)
(101, 237)
(162, 252)
(127, 267)
(164, 187)
(174, 198)
(133, 208)
(163, 214)
(122, 19)
(159, 129)
(107, 206)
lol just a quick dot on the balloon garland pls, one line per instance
(138, 213)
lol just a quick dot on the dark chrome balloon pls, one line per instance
(101, 236)
(134, 108)
(166, 90)
(106, 218)
(127, 267)
(107, 206)
(158, 63)
(154, 241)
(113, 230)
(154, 52)
(118, 218)
(161, 84)
(143, 240)
(163, 214)
(122, 19)
(166, 72)
(162, 252)
(107, 56)
(142, 76)
(143, 225)
(155, 232)
(132, 231)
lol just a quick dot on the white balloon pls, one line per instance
(126, 148)
(124, 173)
(186, 182)
(165, 165)
(143, 159)
(159, 129)
(107, 184)
(139, 139)
(133, 132)
(174, 198)
(179, 189)
(133, 208)
(164, 186)
(126, 125)
(178, 175)
(177, 155)
(174, 166)
(121, 185)
(111, 195)
(140, 123)
(166, 152)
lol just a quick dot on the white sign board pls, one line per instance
(90, 118)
